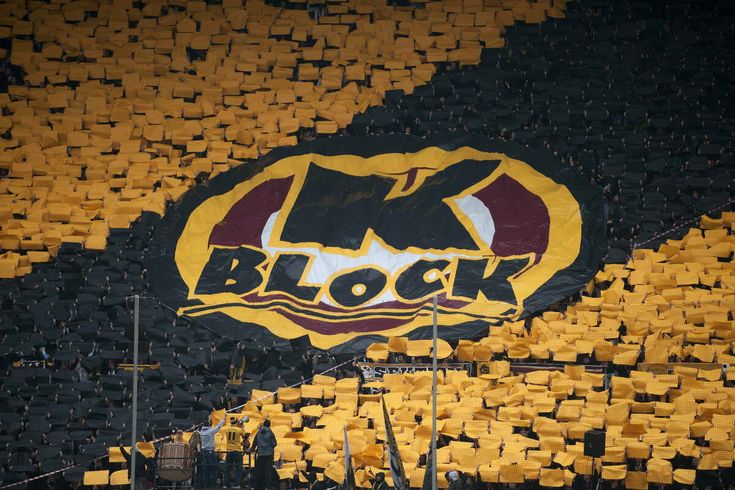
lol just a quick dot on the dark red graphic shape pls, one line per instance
(521, 218)
(245, 221)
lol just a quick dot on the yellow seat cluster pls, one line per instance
(672, 304)
(123, 111)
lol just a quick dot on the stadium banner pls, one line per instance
(375, 371)
(347, 239)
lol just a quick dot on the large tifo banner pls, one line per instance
(347, 240)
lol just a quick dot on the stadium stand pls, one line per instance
(113, 110)
(123, 111)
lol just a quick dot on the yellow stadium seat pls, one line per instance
(99, 477)
(119, 477)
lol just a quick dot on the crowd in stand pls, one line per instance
(637, 97)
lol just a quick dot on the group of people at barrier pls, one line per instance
(196, 463)
(237, 444)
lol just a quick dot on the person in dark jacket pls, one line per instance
(264, 445)
(141, 468)
(455, 482)
(380, 483)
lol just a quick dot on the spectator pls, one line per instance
(142, 466)
(264, 445)
(455, 482)
(208, 461)
(82, 375)
(179, 437)
(380, 483)
(235, 440)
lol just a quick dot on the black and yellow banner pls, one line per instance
(347, 239)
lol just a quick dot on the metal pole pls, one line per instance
(433, 400)
(133, 452)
